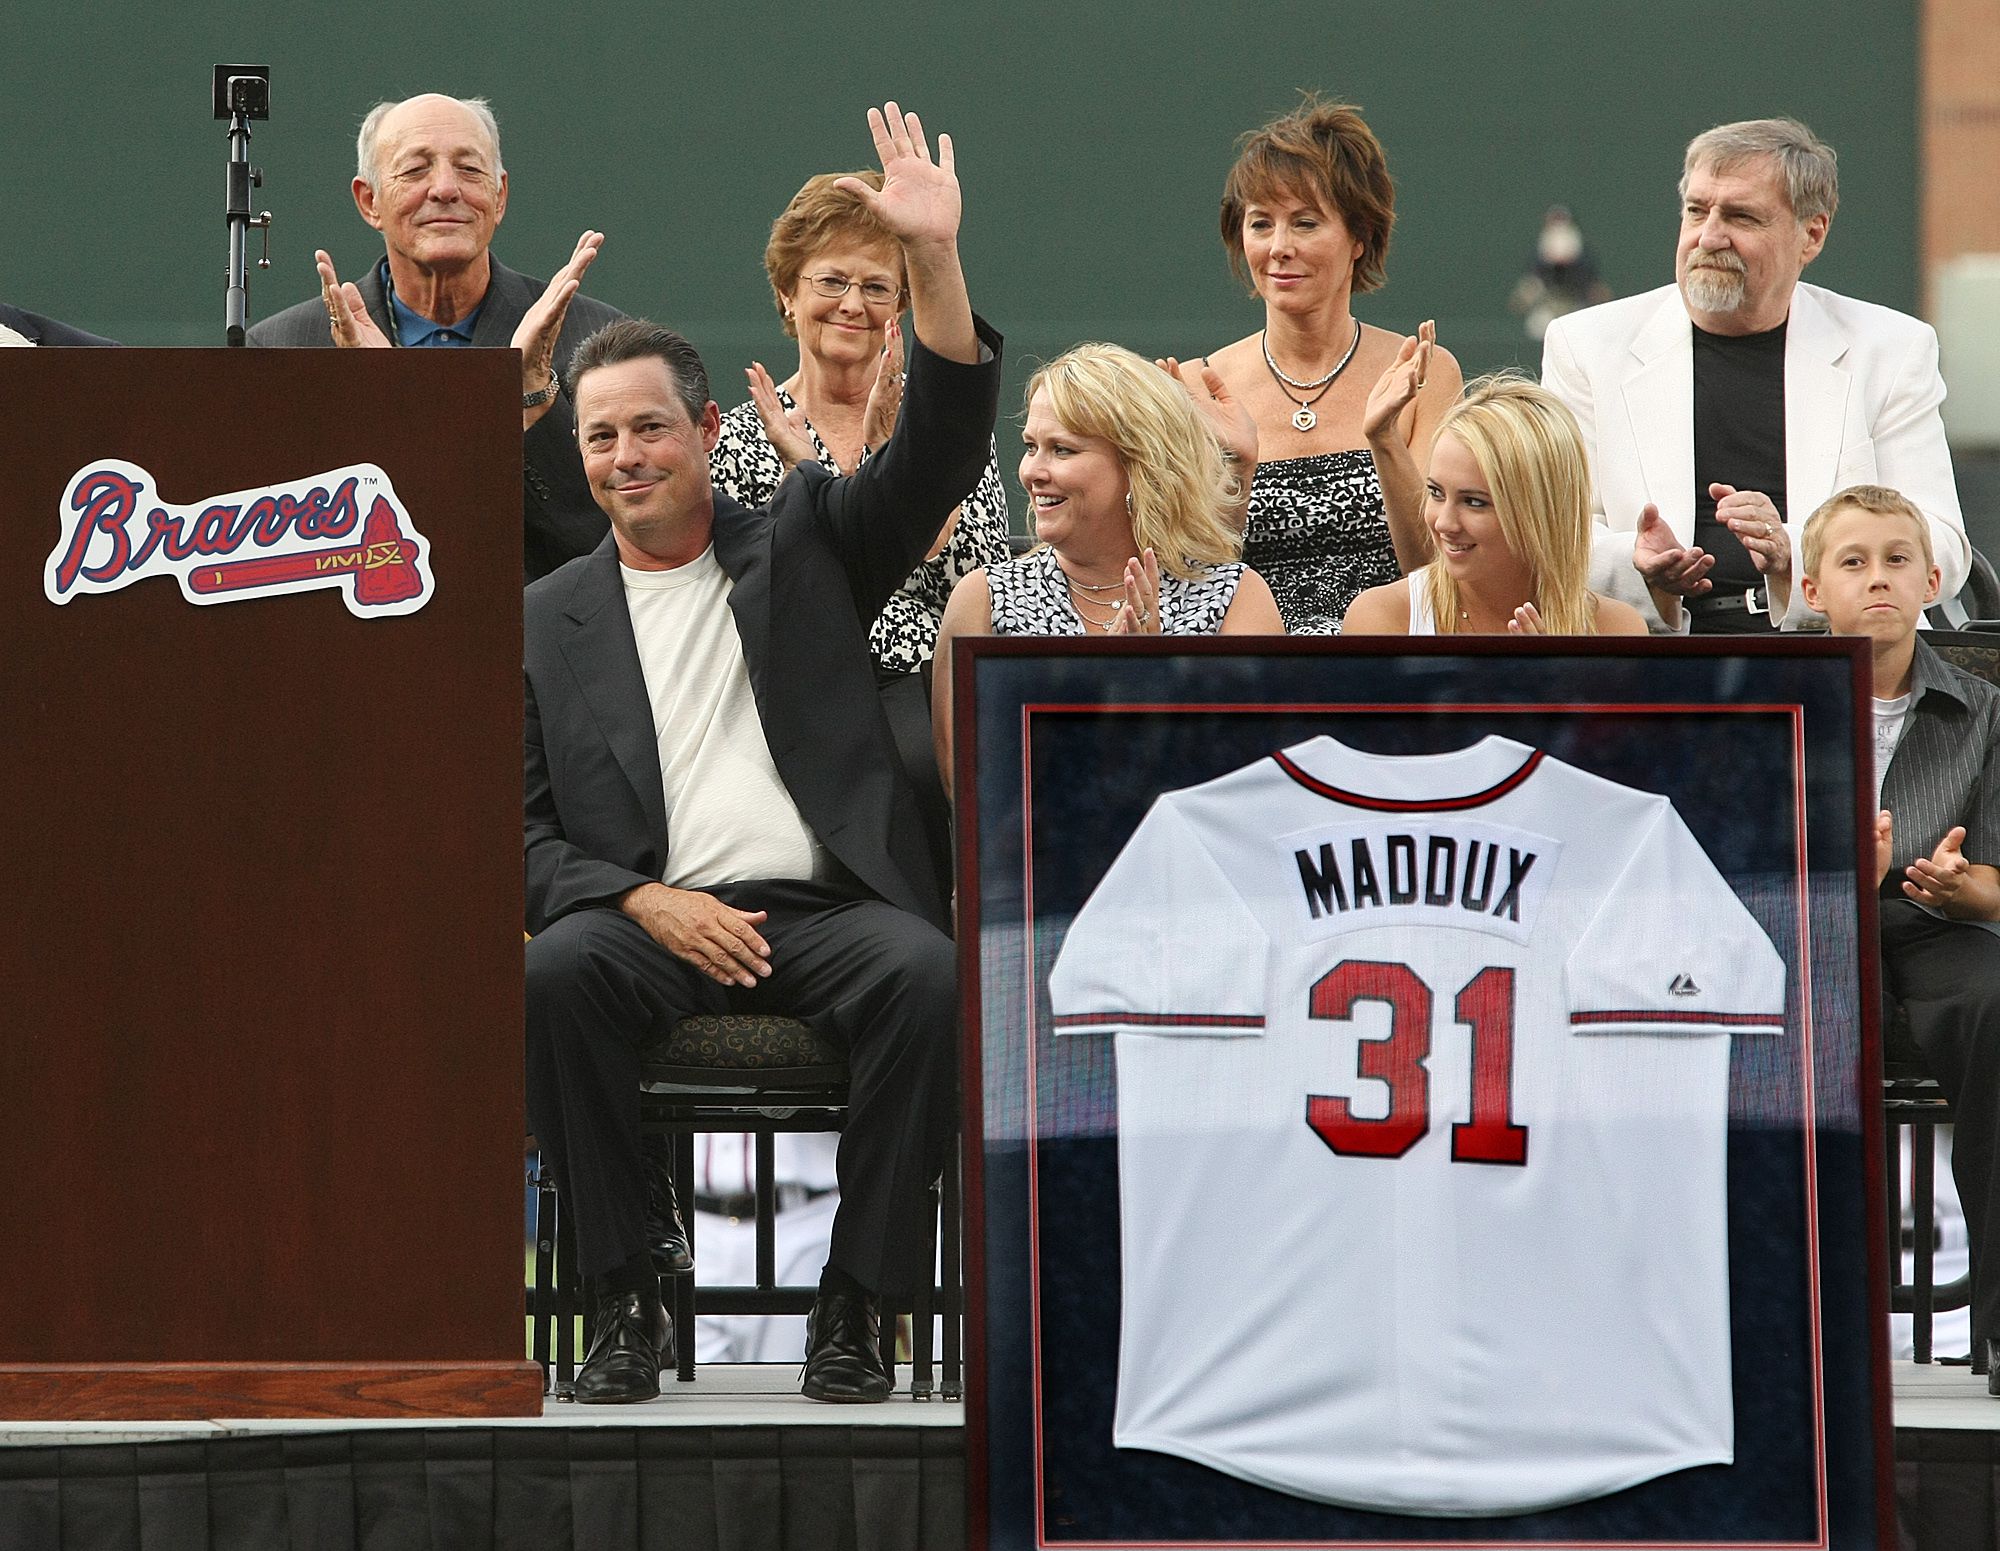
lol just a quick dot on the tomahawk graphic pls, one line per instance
(383, 565)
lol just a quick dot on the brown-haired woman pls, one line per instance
(1337, 502)
(837, 281)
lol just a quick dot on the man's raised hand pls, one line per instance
(919, 198)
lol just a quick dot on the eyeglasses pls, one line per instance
(877, 293)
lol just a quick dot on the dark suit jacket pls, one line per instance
(559, 518)
(809, 573)
(46, 331)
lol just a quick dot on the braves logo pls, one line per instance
(247, 544)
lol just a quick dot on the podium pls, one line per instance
(260, 978)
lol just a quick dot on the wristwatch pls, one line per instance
(541, 396)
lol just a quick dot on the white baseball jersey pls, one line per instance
(1423, 1070)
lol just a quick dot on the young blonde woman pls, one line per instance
(1507, 502)
(1128, 488)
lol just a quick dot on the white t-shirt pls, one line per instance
(729, 816)
(1423, 1072)
(1890, 715)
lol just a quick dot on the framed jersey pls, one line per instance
(1415, 1094)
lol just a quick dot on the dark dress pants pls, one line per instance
(878, 980)
(1947, 976)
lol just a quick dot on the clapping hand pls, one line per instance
(1229, 420)
(1139, 609)
(1527, 620)
(1935, 880)
(346, 315)
(785, 429)
(1667, 564)
(885, 396)
(919, 198)
(1396, 389)
(1750, 515)
(541, 326)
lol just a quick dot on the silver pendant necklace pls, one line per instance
(1303, 417)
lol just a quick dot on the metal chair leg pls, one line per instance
(922, 1309)
(541, 1303)
(951, 1224)
(1923, 1201)
(683, 1286)
(566, 1304)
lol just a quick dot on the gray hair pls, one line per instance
(1805, 162)
(371, 129)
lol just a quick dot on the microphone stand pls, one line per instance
(242, 92)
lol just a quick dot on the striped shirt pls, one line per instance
(1946, 769)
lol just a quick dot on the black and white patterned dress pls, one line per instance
(1030, 596)
(745, 467)
(1318, 533)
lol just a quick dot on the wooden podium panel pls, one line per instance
(261, 1074)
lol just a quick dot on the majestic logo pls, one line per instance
(1683, 985)
(346, 529)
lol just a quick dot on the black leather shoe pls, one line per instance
(1992, 1350)
(666, 1233)
(633, 1341)
(844, 1351)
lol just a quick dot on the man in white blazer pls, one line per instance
(1721, 410)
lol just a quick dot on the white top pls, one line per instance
(1890, 716)
(1423, 1082)
(729, 816)
(1422, 622)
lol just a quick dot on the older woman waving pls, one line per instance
(837, 280)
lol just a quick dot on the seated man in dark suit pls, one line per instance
(429, 179)
(716, 815)
(33, 329)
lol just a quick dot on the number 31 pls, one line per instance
(1485, 1005)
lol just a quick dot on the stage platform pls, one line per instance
(736, 1461)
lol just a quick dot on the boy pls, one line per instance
(1868, 567)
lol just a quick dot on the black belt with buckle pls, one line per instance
(743, 1203)
(1753, 600)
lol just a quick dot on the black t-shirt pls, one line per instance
(1739, 438)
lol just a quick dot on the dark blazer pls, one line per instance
(809, 573)
(559, 518)
(46, 331)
